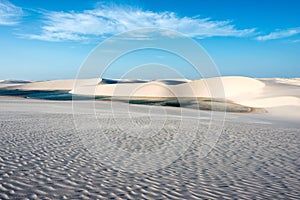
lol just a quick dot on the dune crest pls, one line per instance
(211, 88)
(256, 93)
(52, 85)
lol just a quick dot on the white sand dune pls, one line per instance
(211, 87)
(269, 94)
(53, 85)
(10, 83)
(289, 81)
(232, 85)
(258, 93)
(272, 102)
(273, 94)
(14, 82)
(43, 156)
(149, 89)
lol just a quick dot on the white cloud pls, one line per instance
(9, 13)
(280, 34)
(109, 20)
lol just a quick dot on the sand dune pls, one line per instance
(272, 102)
(289, 81)
(250, 92)
(52, 85)
(232, 85)
(273, 94)
(14, 82)
(268, 94)
(149, 89)
(43, 157)
(211, 87)
(10, 83)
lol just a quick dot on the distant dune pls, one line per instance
(52, 85)
(256, 93)
(13, 81)
(211, 87)
(8, 83)
(289, 81)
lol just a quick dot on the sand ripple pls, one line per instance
(42, 158)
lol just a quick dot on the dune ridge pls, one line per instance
(211, 88)
(52, 84)
(250, 92)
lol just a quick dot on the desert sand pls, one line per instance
(49, 85)
(12, 83)
(44, 155)
(276, 95)
(211, 87)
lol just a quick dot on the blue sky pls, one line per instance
(50, 39)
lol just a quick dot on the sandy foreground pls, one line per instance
(43, 156)
(51, 150)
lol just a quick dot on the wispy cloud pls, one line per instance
(9, 13)
(295, 41)
(280, 34)
(108, 20)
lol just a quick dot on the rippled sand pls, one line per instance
(42, 157)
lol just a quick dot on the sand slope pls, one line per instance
(43, 157)
(259, 93)
(53, 85)
(211, 87)
(9, 83)
(273, 94)
(232, 86)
